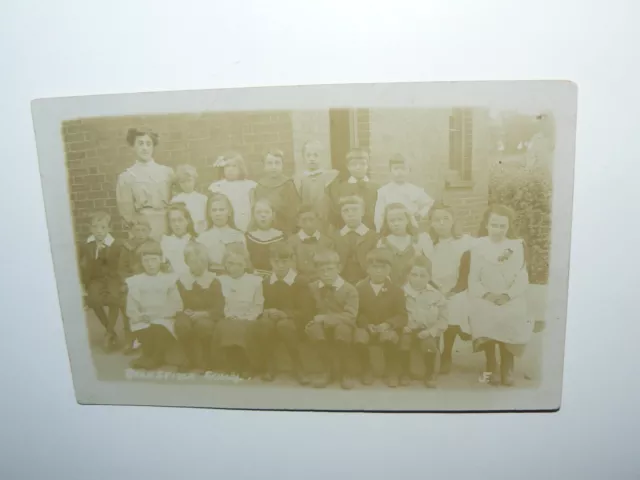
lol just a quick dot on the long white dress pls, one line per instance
(499, 268)
(445, 268)
(155, 296)
(239, 194)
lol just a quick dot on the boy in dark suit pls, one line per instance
(99, 258)
(287, 306)
(334, 317)
(357, 183)
(307, 242)
(382, 314)
(354, 240)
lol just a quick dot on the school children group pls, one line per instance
(333, 269)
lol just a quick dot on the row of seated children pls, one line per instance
(350, 245)
(320, 188)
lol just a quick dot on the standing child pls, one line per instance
(448, 267)
(427, 309)
(356, 184)
(354, 240)
(238, 333)
(286, 311)
(307, 242)
(196, 202)
(236, 186)
(129, 265)
(221, 231)
(152, 304)
(313, 182)
(498, 282)
(398, 190)
(382, 314)
(203, 307)
(330, 332)
(261, 236)
(99, 258)
(182, 232)
(280, 191)
(402, 238)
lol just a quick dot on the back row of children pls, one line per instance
(223, 298)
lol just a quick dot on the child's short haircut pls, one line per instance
(186, 172)
(150, 247)
(380, 255)
(140, 219)
(196, 249)
(281, 251)
(100, 216)
(232, 158)
(274, 152)
(311, 142)
(134, 133)
(306, 208)
(352, 200)
(397, 159)
(357, 153)
(422, 262)
(325, 257)
(237, 249)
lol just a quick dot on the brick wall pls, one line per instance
(96, 151)
(310, 125)
(422, 136)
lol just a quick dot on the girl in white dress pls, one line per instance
(400, 236)
(182, 232)
(449, 247)
(236, 186)
(498, 282)
(196, 202)
(222, 230)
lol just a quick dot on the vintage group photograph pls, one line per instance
(339, 249)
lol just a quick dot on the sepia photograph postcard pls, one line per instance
(366, 247)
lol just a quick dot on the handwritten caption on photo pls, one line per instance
(132, 374)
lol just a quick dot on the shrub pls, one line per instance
(528, 192)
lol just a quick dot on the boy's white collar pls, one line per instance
(303, 236)
(353, 179)
(361, 230)
(288, 278)
(338, 283)
(412, 292)
(108, 240)
(188, 279)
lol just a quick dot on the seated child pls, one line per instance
(237, 333)
(428, 319)
(307, 242)
(182, 232)
(261, 236)
(152, 304)
(357, 183)
(195, 202)
(99, 258)
(382, 314)
(398, 190)
(286, 311)
(203, 307)
(330, 332)
(129, 265)
(354, 240)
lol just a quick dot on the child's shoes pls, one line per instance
(405, 380)
(367, 377)
(392, 381)
(430, 382)
(347, 382)
(321, 380)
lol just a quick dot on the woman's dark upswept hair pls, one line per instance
(220, 197)
(455, 228)
(503, 211)
(134, 133)
(182, 208)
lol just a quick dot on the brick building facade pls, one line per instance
(97, 152)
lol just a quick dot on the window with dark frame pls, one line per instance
(461, 144)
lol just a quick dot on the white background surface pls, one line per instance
(84, 47)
